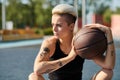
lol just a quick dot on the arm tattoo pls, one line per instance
(111, 42)
(52, 69)
(47, 70)
(60, 63)
(45, 51)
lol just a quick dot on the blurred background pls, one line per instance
(24, 24)
(21, 18)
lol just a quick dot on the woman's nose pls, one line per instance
(55, 28)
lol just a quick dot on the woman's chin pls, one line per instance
(56, 36)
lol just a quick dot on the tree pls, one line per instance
(18, 13)
(99, 6)
(34, 13)
(117, 11)
(40, 12)
(107, 15)
(12, 12)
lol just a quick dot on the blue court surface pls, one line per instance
(17, 59)
(20, 43)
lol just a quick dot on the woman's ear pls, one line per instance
(72, 26)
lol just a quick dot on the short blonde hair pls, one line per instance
(64, 8)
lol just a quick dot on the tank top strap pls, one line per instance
(58, 52)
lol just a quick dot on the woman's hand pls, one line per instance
(103, 28)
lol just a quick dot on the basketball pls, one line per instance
(90, 42)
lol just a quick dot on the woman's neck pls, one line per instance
(65, 44)
(66, 41)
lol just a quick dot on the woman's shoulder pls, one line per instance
(50, 43)
(51, 39)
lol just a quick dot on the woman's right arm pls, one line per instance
(43, 65)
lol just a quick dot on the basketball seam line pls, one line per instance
(86, 33)
(91, 44)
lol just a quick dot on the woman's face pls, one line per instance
(60, 27)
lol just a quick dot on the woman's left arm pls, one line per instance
(108, 60)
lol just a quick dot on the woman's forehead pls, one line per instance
(58, 18)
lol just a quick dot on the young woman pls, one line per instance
(57, 56)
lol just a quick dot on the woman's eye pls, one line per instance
(58, 25)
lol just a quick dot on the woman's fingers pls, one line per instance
(99, 26)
